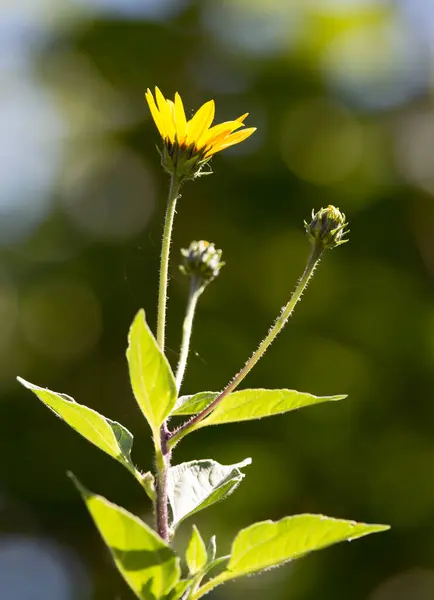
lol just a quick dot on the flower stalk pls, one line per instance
(175, 185)
(325, 231)
(201, 264)
(163, 456)
(276, 328)
(195, 291)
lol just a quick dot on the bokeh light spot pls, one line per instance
(33, 569)
(61, 318)
(321, 141)
(376, 65)
(254, 26)
(29, 156)
(109, 194)
(416, 584)
(399, 488)
(415, 148)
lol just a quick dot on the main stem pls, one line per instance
(195, 291)
(163, 456)
(164, 260)
(161, 502)
(276, 328)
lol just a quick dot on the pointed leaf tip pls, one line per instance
(83, 491)
(268, 543)
(246, 405)
(109, 436)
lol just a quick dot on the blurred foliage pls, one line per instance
(341, 94)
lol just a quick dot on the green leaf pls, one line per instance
(211, 549)
(109, 436)
(192, 486)
(150, 374)
(270, 544)
(190, 405)
(196, 554)
(146, 562)
(255, 404)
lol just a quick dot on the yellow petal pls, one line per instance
(200, 122)
(155, 113)
(180, 120)
(218, 132)
(166, 115)
(231, 140)
(243, 117)
(171, 106)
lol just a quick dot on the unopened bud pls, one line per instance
(327, 228)
(148, 483)
(201, 261)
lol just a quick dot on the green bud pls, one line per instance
(327, 228)
(148, 482)
(201, 261)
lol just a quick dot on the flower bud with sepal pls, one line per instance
(201, 262)
(327, 228)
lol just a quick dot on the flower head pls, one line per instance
(189, 144)
(327, 228)
(202, 262)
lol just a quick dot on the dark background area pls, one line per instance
(341, 93)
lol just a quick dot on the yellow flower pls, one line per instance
(193, 141)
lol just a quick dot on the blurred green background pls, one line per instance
(341, 93)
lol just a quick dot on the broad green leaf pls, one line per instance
(150, 374)
(255, 404)
(109, 436)
(270, 544)
(190, 405)
(147, 563)
(192, 486)
(196, 554)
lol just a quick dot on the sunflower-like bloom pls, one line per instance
(189, 145)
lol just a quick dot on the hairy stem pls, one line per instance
(195, 291)
(164, 260)
(276, 328)
(161, 502)
(163, 456)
